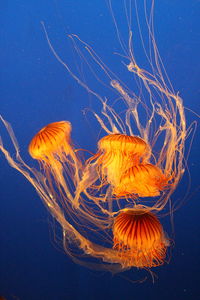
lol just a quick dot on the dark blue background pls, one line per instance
(35, 90)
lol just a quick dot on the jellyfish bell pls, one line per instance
(51, 141)
(128, 145)
(144, 180)
(139, 238)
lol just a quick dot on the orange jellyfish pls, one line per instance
(144, 180)
(51, 146)
(139, 238)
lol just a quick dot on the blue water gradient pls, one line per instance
(36, 90)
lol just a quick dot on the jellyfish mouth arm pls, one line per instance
(90, 175)
(108, 255)
(77, 166)
(172, 151)
(86, 187)
(133, 103)
(114, 121)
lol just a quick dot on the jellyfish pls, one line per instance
(139, 237)
(144, 180)
(53, 149)
(52, 143)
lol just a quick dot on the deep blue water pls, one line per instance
(36, 90)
